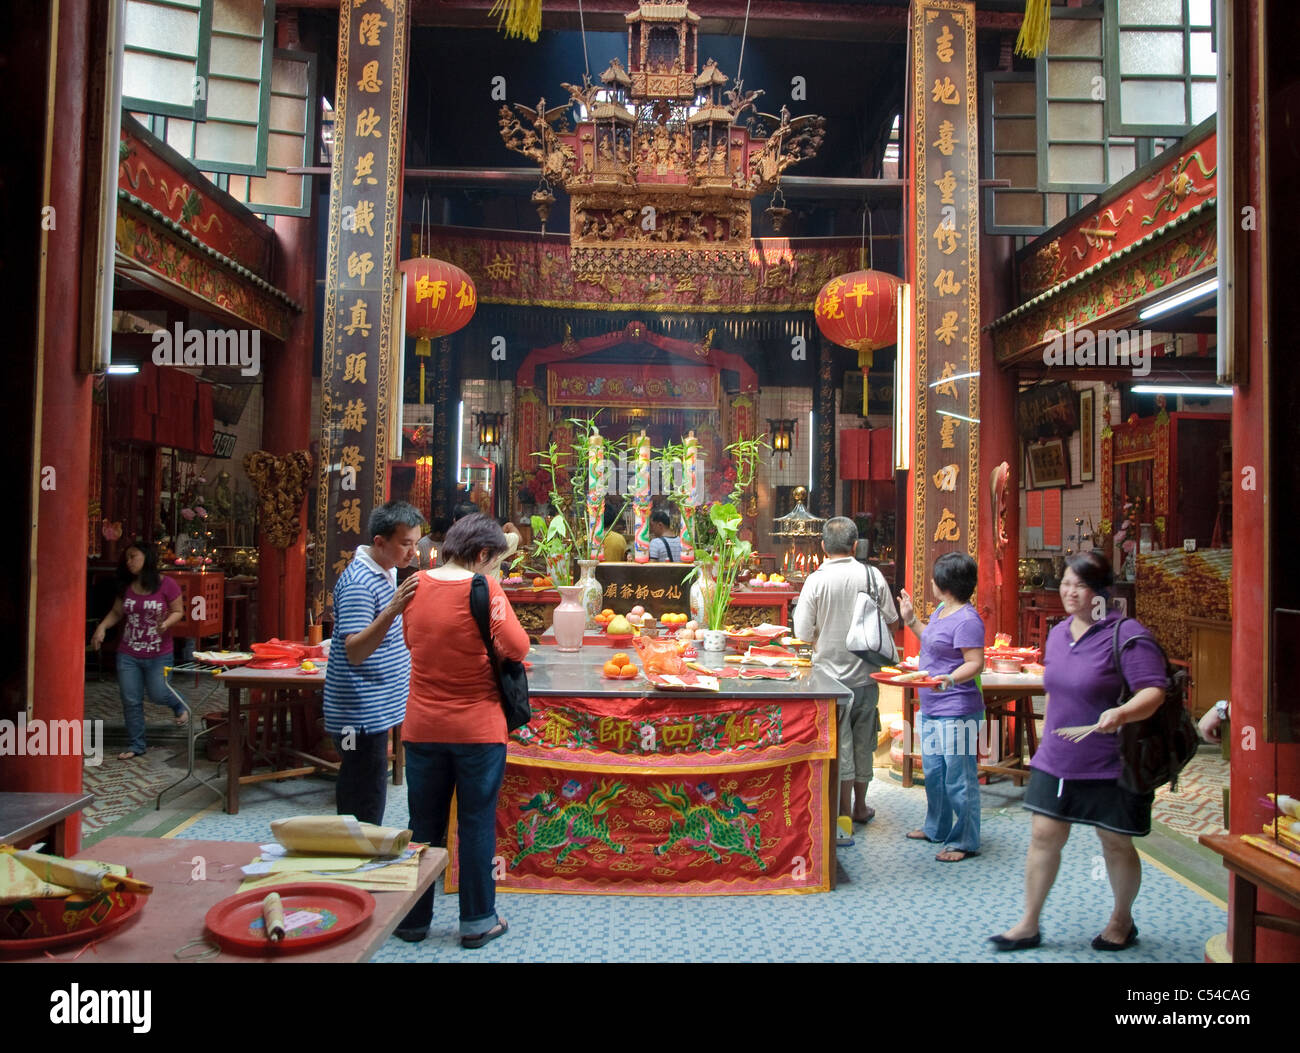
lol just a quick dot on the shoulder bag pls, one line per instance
(1157, 749)
(869, 637)
(512, 679)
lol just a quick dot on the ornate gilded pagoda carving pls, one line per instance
(659, 170)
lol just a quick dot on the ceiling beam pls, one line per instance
(767, 18)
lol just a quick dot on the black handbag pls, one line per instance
(512, 678)
(1157, 749)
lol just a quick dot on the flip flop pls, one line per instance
(919, 835)
(871, 814)
(182, 719)
(954, 852)
(129, 755)
(475, 942)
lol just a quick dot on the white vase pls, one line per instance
(569, 619)
(714, 640)
(592, 594)
(701, 589)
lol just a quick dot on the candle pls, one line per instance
(596, 490)
(641, 500)
(690, 473)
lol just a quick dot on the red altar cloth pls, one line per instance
(691, 795)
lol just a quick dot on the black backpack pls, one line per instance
(1157, 749)
(512, 678)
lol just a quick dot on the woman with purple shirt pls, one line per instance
(1077, 781)
(952, 649)
(150, 605)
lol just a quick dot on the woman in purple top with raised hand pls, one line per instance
(952, 649)
(150, 605)
(1075, 775)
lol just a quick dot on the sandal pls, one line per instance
(954, 855)
(919, 835)
(182, 718)
(865, 818)
(475, 942)
(129, 755)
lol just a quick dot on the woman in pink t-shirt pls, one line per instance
(148, 605)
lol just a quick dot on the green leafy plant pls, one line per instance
(719, 542)
(728, 555)
(564, 538)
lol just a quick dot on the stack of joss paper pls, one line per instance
(337, 849)
(26, 875)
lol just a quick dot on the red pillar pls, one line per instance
(59, 587)
(1268, 766)
(286, 426)
(998, 594)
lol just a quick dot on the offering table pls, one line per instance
(620, 788)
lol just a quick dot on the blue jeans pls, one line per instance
(950, 755)
(135, 676)
(473, 770)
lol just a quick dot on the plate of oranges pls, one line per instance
(620, 667)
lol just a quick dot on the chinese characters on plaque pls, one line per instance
(360, 339)
(946, 279)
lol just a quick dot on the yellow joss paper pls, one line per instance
(34, 875)
(339, 835)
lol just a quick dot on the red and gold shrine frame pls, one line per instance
(682, 796)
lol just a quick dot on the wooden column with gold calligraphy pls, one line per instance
(362, 333)
(945, 275)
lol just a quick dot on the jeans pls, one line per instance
(362, 787)
(950, 755)
(473, 770)
(135, 676)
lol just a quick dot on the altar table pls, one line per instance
(623, 789)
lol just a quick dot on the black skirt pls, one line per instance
(1096, 802)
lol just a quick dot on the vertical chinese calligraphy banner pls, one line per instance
(945, 275)
(360, 336)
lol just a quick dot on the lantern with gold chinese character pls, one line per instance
(440, 299)
(859, 311)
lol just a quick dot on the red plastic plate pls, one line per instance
(886, 678)
(65, 939)
(274, 663)
(236, 922)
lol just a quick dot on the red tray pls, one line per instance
(236, 922)
(274, 663)
(886, 678)
(65, 939)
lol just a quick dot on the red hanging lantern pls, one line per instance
(440, 300)
(859, 311)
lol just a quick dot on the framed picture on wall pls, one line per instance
(1048, 466)
(1087, 436)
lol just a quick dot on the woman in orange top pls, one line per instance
(455, 728)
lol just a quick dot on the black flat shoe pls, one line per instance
(1002, 943)
(1099, 944)
(412, 935)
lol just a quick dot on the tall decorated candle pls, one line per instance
(641, 499)
(690, 473)
(596, 489)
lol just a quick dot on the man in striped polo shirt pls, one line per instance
(368, 676)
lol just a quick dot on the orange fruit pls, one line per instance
(628, 671)
(620, 659)
(612, 669)
(607, 613)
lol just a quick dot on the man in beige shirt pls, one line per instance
(823, 616)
